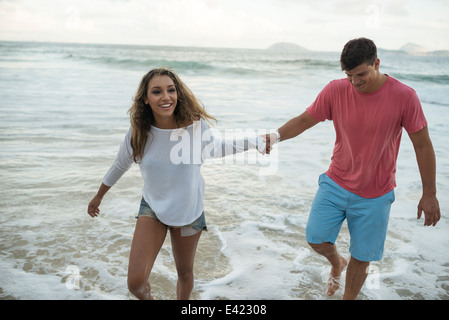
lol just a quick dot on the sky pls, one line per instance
(322, 25)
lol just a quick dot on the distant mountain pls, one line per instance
(286, 47)
(416, 49)
(413, 48)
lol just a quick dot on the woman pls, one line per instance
(169, 139)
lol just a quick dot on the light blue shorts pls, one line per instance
(367, 219)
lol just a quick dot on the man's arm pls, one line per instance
(291, 129)
(425, 156)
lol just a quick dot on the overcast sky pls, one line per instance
(315, 24)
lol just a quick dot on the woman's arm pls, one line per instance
(122, 163)
(217, 146)
(93, 208)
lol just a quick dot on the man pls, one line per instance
(368, 110)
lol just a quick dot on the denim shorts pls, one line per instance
(367, 219)
(187, 230)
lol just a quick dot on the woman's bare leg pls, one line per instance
(149, 236)
(184, 249)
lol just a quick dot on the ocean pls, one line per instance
(63, 111)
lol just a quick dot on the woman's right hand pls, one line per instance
(93, 208)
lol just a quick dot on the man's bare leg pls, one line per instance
(337, 262)
(355, 277)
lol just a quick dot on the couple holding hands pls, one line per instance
(368, 110)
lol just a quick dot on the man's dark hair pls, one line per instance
(356, 52)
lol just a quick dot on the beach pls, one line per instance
(64, 114)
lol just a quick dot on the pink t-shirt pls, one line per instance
(368, 132)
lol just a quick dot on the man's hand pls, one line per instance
(431, 208)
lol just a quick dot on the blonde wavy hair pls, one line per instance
(188, 109)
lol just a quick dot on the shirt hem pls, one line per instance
(361, 194)
(173, 224)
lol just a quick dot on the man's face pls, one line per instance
(365, 77)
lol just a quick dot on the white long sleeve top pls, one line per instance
(170, 168)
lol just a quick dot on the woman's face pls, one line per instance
(162, 98)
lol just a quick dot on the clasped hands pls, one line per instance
(270, 139)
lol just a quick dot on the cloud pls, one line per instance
(134, 21)
(318, 25)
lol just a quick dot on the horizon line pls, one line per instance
(305, 49)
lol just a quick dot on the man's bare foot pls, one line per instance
(333, 283)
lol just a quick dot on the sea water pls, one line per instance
(63, 111)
